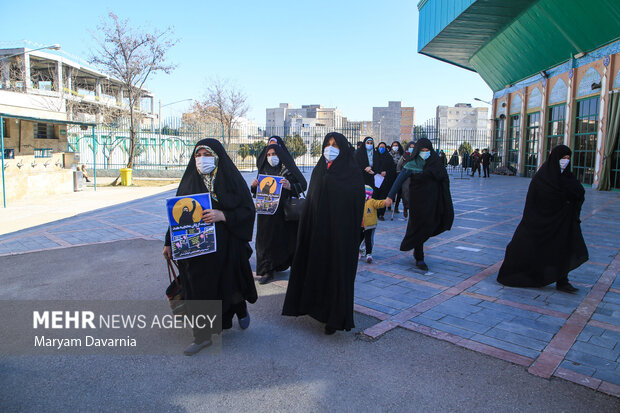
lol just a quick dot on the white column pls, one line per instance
(26, 70)
(59, 76)
(602, 119)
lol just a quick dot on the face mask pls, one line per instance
(330, 153)
(395, 148)
(425, 155)
(410, 150)
(273, 160)
(369, 146)
(205, 164)
(382, 150)
(564, 163)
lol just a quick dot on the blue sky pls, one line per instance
(347, 54)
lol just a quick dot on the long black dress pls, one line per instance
(275, 237)
(323, 271)
(226, 274)
(361, 156)
(430, 202)
(387, 165)
(548, 243)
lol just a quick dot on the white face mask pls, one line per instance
(425, 155)
(368, 146)
(564, 163)
(395, 148)
(205, 164)
(273, 160)
(330, 153)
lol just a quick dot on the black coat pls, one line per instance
(387, 165)
(226, 274)
(430, 202)
(361, 156)
(548, 242)
(275, 237)
(323, 271)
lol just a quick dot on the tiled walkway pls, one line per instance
(575, 337)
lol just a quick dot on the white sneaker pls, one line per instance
(369, 258)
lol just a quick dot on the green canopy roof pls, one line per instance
(507, 41)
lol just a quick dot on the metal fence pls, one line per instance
(459, 140)
(171, 146)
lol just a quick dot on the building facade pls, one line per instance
(557, 84)
(393, 123)
(462, 116)
(286, 120)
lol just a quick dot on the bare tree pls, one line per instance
(225, 103)
(131, 55)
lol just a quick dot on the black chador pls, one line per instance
(548, 242)
(275, 237)
(430, 202)
(323, 271)
(226, 274)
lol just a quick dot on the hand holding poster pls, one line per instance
(190, 236)
(268, 194)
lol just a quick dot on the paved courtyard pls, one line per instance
(574, 337)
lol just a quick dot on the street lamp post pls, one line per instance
(483, 101)
(52, 47)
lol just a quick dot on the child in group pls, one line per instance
(369, 223)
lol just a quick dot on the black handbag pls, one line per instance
(293, 208)
(175, 291)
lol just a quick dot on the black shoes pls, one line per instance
(567, 288)
(265, 278)
(405, 213)
(421, 265)
(381, 218)
(329, 331)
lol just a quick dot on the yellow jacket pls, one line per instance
(370, 212)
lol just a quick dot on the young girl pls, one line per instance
(369, 223)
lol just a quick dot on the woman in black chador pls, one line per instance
(275, 237)
(224, 275)
(548, 243)
(429, 199)
(323, 271)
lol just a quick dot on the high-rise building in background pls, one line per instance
(462, 116)
(393, 122)
(286, 120)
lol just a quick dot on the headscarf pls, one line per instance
(400, 147)
(416, 164)
(280, 143)
(551, 179)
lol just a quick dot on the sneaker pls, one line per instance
(421, 265)
(369, 258)
(245, 321)
(196, 347)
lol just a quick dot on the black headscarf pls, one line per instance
(548, 242)
(430, 201)
(280, 143)
(400, 147)
(323, 271)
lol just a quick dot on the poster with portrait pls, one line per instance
(268, 194)
(189, 235)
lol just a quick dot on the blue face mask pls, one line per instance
(369, 146)
(425, 155)
(382, 150)
(410, 150)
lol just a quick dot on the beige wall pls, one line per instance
(25, 144)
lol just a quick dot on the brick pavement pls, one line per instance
(575, 337)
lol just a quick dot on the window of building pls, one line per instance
(43, 152)
(532, 139)
(9, 153)
(498, 142)
(514, 137)
(43, 131)
(555, 127)
(584, 148)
